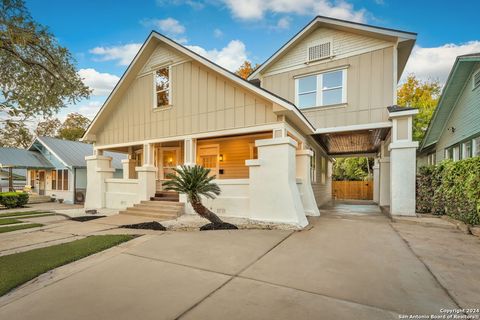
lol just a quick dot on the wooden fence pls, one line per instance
(354, 190)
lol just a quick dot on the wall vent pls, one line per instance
(476, 80)
(319, 51)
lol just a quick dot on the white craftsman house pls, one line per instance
(268, 140)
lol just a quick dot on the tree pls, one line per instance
(352, 169)
(48, 127)
(37, 75)
(423, 95)
(73, 127)
(15, 134)
(194, 182)
(246, 69)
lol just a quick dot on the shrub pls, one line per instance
(454, 189)
(13, 199)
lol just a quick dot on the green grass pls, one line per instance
(21, 267)
(9, 221)
(23, 213)
(19, 227)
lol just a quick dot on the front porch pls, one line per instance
(261, 177)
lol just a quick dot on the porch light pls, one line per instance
(220, 157)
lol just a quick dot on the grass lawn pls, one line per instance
(9, 221)
(23, 213)
(19, 227)
(21, 267)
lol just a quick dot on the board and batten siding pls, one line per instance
(465, 118)
(202, 101)
(344, 44)
(370, 89)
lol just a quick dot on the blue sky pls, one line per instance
(104, 35)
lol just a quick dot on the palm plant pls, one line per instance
(194, 182)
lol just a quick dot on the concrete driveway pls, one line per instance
(351, 264)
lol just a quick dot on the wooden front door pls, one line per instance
(208, 157)
(41, 183)
(168, 159)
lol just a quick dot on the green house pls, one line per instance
(454, 131)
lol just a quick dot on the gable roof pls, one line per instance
(23, 159)
(147, 48)
(72, 153)
(456, 82)
(406, 40)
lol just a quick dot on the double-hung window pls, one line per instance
(162, 88)
(322, 89)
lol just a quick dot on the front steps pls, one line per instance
(168, 208)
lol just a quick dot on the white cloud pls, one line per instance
(230, 57)
(197, 5)
(124, 54)
(256, 9)
(90, 109)
(435, 63)
(168, 25)
(283, 23)
(101, 83)
(217, 33)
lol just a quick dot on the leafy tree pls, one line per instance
(73, 127)
(194, 182)
(423, 95)
(48, 127)
(37, 75)
(246, 69)
(352, 169)
(15, 134)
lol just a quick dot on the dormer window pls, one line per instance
(162, 88)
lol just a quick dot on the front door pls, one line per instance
(169, 158)
(41, 183)
(208, 158)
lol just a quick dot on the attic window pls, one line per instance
(319, 51)
(162, 88)
(476, 80)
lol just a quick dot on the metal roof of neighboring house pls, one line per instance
(23, 159)
(73, 153)
(454, 86)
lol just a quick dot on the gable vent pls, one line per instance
(319, 51)
(476, 80)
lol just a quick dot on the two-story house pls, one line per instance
(454, 131)
(269, 140)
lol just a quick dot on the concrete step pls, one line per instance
(171, 199)
(162, 203)
(38, 199)
(158, 207)
(158, 216)
(154, 210)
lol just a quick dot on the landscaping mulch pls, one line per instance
(145, 226)
(218, 226)
(86, 218)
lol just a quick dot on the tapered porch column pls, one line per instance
(99, 168)
(189, 154)
(128, 165)
(403, 153)
(376, 181)
(274, 194)
(147, 174)
(303, 162)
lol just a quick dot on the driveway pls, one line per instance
(351, 264)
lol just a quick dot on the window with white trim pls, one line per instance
(432, 159)
(476, 147)
(162, 88)
(467, 149)
(324, 89)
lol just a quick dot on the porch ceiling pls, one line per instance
(352, 142)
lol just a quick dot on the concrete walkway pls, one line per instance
(351, 264)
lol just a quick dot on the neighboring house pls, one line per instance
(56, 167)
(269, 140)
(454, 131)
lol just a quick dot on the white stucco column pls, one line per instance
(189, 151)
(274, 194)
(403, 151)
(98, 169)
(128, 166)
(303, 159)
(376, 181)
(147, 174)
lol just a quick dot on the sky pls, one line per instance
(104, 35)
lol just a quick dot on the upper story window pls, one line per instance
(322, 89)
(162, 88)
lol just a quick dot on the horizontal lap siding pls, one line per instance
(203, 101)
(369, 89)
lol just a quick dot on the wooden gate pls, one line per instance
(352, 190)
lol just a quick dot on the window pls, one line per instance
(456, 153)
(54, 179)
(65, 179)
(476, 147)
(467, 150)
(432, 159)
(321, 90)
(33, 175)
(162, 88)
